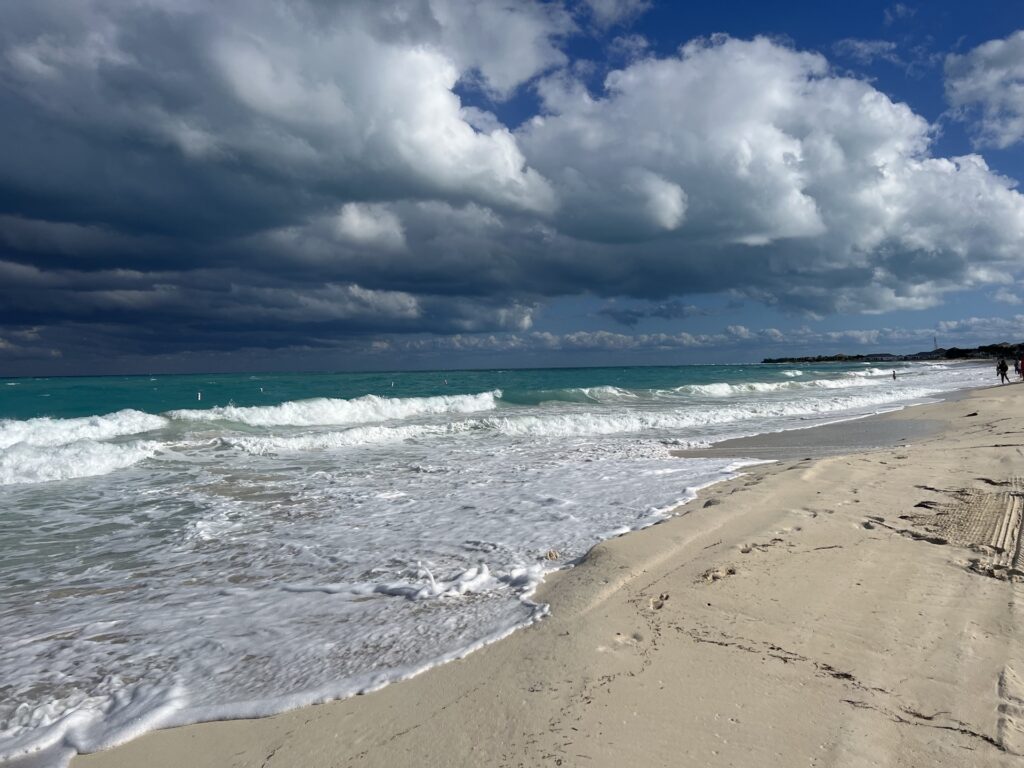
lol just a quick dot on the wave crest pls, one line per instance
(49, 431)
(24, 463)
(325, 411)
(722, 389)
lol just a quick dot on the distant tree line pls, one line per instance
(1002, 349)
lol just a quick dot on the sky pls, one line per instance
(298, 185)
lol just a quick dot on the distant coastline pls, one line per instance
(1002, 349)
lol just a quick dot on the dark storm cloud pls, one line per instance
(191, 176)
(670, 310)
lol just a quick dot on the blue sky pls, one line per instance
(442, 183)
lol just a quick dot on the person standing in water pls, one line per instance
(1001, 369)
(894, 375)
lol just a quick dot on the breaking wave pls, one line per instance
(49, 431)
(722, 389)
(325, 411)
(590, 423)
(26, 463)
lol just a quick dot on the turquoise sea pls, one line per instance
(65, 397)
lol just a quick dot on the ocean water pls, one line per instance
(184, 548)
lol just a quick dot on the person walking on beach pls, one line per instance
(1001, 369)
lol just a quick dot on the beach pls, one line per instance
(489, 383)
(842, 609)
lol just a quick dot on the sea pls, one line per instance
(176, 549)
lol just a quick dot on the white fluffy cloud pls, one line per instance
(717, 126)
(505, 43)
(370, 225)
(990, 79)
(760, 157)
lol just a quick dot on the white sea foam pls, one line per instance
(841, 384)
(724, 389)
(609, 394)
(325, 411)
(792, 373)
(869, 372)
(299, 630)
(641, 421)
(587, 423)
(48, 431)
(356, 436)
(26, 463)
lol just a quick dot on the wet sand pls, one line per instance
(852, 604)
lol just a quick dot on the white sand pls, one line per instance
(809, 615)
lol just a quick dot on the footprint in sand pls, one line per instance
(632, 639)
(657, 603)
(746, 549)
(712, 575)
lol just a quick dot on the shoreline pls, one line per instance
(498, 675)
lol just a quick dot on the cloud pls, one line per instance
(1008, 296)
(867, 51)
(576, 341)
(802, 188)
(898, 12)
(608, 13)
(743, 148)
(504, 44)
(739, 332)
(670, 310)
(989, 328)
(731, 340)
(369, 106)
(370, 225)
(855, 336)
(629, 47)
(986, 85)
(299, 173)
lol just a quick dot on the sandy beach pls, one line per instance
(829, 609)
